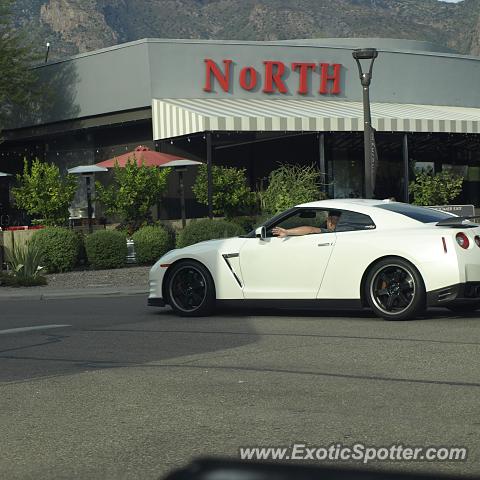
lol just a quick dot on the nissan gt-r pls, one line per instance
(392, 257)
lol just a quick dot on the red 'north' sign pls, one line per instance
(273, 79)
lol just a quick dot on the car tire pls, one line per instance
(395, 290)
(464, 307)
(190, 289)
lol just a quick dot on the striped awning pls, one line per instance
(176, 117)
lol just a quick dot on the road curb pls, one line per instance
(65, 294)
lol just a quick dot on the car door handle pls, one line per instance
(324, 244)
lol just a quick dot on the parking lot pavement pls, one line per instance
(113, 389)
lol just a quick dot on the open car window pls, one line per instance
(317, 217)
(310, 217)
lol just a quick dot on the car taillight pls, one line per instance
(477, 240)
(462, 240)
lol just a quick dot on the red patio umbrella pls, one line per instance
(150, 158)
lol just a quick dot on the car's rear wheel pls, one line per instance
(190, 289)
(395, 289)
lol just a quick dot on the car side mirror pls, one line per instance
(261, 232)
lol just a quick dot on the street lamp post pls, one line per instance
(47, 50)
(369, 141)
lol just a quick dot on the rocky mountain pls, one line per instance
(75, 26)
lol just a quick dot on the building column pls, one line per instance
(321, 161)
(209, 174)
(405, 169)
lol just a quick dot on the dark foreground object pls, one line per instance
(211, 469)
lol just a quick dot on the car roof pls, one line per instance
(344, 203)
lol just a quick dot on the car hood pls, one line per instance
(219, 246)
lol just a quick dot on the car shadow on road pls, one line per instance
(108, 333)
(365, 314)
(291, 312)
(122, 332)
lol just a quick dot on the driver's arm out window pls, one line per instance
(303, 218)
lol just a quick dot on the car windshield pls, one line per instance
(421, 214)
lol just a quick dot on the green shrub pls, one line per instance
(291, 185)
(44, 193)
(58, 248)
(8, 279)
(438, 189)
(246, 222)
(82, 254)
(207, 229)
(25, 266)
(230, 192)
(261, 219)
(106, 249)
(172, 233)
(151, 243)
(134, 191)
(249, 223)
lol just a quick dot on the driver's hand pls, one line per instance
(279, 232)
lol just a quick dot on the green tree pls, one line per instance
(18, 86)
(290, 185)
(43, 193)
(133, 192)
(438, 189)
(231, 195)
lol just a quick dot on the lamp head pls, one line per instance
(365, 53)
(87, 170)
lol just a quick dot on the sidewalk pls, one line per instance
(88, 283)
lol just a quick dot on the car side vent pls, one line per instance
(226, 257)
(443, 294)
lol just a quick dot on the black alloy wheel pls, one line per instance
(395, 290)
(190, 289)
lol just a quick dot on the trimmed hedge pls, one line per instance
(249, 223)
(207, 229)
(106, 249)
(58, 248)
(246, 222)
(151, 243)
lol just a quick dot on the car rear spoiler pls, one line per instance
(458, 222)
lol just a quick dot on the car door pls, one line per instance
(291, 267)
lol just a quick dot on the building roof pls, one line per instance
(126, 77)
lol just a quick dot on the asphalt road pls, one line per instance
(123, 391)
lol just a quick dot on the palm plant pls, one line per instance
(25, 263)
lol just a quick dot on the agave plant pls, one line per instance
(25, 262)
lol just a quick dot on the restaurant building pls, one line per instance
(256, 105)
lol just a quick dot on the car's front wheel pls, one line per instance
(190, 289)
(395, 289)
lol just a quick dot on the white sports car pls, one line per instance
(393, 257)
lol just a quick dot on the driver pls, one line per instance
(332, 221)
